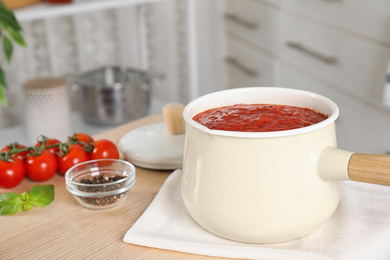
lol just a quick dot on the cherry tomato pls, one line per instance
(104, 149)
(75, 155)
(21, 155)
(83, 138)
(11, 173)
(41, 167)
(50, 141)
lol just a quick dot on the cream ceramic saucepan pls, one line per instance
(268, 187)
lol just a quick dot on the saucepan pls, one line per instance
(268, 187)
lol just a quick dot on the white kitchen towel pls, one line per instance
(359, 229)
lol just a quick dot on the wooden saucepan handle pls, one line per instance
(370, 168)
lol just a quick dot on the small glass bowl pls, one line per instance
(100, 184)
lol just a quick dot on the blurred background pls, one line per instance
(337, 48)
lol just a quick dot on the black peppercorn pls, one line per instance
(102, 200)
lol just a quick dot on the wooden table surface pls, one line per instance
(66, 230)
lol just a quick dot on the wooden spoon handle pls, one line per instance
(370, 168)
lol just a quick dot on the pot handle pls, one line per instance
(370, 168)
(337, 165)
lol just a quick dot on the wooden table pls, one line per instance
(66, 230)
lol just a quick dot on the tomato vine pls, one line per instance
(50, 153)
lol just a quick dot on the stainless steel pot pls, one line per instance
(113, 95)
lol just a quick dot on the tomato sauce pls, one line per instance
(258, 118)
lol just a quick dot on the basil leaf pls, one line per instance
(41, 195)
(24, 196)
(10, 203)
(27, 206)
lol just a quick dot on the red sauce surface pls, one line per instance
(258, 118)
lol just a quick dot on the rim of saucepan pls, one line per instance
(259, 95)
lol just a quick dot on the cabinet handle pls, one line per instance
(304, 49)
(242, 22)
(242, 67)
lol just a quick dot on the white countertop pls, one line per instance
(17, 134)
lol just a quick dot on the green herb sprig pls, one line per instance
(39, 196)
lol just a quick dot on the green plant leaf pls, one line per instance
(27, 205)
(2, 78)
(10, 32)
(41, 195)
(10, 203)
(3, 97)
(7, 46)
(24, 196)
(8, 18)
(17, 37)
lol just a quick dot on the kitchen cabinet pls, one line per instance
(340, 49)
(255, 23)
(366, 19)
(247, 67)
(352, 63)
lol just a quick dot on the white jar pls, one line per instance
(46, 108)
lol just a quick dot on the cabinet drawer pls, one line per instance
(247, 67)
(360, 127)
(370, 18)
(253, 22)
(352, 63)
